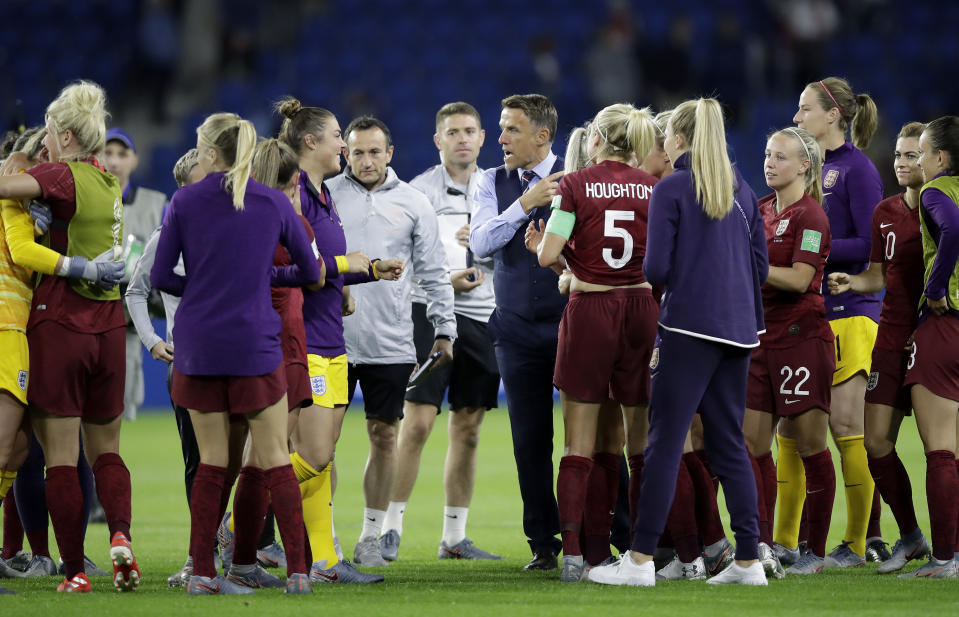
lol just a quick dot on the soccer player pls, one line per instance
(472, 378)
(851, 189)
(933, 364)
(76, 333)
(379, 211)
(705, 244)
(142, 214)
(228, 360)
(896, 265)
(607, 331)
(314, 134)
(186, 171)
(790, 373)
(525, 324)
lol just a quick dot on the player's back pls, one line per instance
(608, 241)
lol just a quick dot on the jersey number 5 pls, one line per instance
(610, 230)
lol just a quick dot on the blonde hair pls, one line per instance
(700, 122)
(183, 167)
(234, 138)
(626, 131)
(576, 157)
(662, 119)
(274, 163)
(30, 142)
(81, 109)
(856, 110)
(808, 150)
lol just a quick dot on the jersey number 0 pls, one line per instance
(610, 230)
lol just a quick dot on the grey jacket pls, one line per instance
(394, 220)
(138, 292)
(435, 182)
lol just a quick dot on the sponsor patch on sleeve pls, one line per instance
(811, 239)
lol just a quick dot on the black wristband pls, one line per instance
(443, 336)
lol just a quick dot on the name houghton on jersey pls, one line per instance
(612, 190)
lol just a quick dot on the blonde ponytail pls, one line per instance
(576, 157)
(81, 109)
(274, 163)
(641, 132)
(235, 139)
(239, 174)
(700, 122)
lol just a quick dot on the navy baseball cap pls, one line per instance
(122, 136)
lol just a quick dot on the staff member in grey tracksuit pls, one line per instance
(472, 378)
(381, 214)
(142, 213)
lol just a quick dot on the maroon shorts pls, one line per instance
(77, 374)
(605, 341)
(298, 392)
(236, 395)
(886, 377)
(791, 380)
(934, 361)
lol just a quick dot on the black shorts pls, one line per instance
(383, 388)
(472, 377)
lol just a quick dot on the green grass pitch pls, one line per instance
(419, 584)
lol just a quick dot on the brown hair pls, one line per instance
(943, 135)
(458, 108)
(855, 110)
(300, 121)
(537, 108)
(911, 130)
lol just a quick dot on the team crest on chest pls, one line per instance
(830, 180)
(783, 224)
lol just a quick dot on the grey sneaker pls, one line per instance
(254, 577)
(464, 549)
(341, 572)
(224, 539)
(390, 545)
(903, 553)
(40, 565)
(786, 556)
(8, 572)
(216, 586)
(809, 563)
(89, 568)
(298, 584)
(877, 551)
(717, 556)
(272, 556)
(770, 562)
(574, 569)
(663, 556)
(367, 553)
(676, 570)
(934, 569)
(181, 577)
(844, 557)
(20, 561)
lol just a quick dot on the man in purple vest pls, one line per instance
(524, 326)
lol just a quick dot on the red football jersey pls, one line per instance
(800, 233)
(897, 243)
(611, 203)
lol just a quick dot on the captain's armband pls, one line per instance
(561, 222)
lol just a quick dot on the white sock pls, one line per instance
(454, 524)
(372, 523)
(394, 516)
